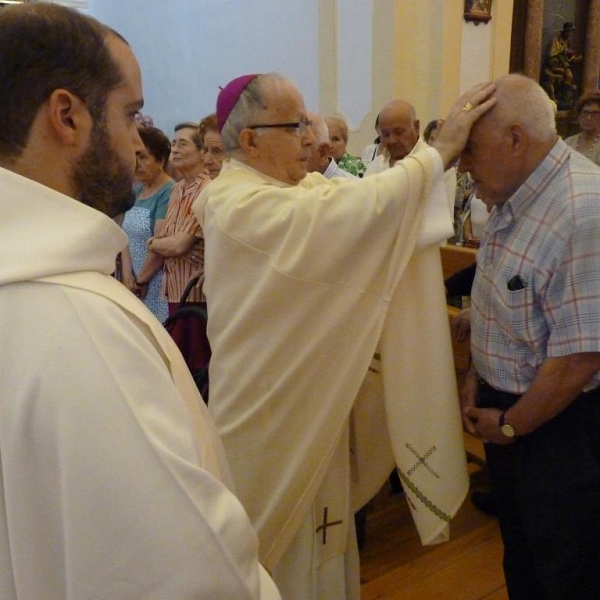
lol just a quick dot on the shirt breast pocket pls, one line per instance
(518, 313)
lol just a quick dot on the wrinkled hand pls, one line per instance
(196, 255)
(142, 291)
(485, 424)
(468, 399)
(466, 110)
(129, 282)
(481, 422)
(134, 287)
(460, 327)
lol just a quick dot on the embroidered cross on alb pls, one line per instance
(422, 460)
(326, 524)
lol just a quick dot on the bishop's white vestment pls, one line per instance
(111, 473)
(305, 285)
(382, 163)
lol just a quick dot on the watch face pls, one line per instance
(508, 430)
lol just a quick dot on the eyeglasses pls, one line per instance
(590, 113)
(300, 126)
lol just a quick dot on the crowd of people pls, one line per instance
(330, 353)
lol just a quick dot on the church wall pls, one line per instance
(435, 56)
(188, 48)
(375, 77)
(347, 56)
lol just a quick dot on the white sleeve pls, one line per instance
(436, 225)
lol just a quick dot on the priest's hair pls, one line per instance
(45, 47)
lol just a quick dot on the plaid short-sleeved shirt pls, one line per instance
(537, 289)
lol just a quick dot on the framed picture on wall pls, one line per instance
(478, 11)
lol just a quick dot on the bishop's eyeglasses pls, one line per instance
(300, 126)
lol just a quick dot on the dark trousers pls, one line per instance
(547, 488)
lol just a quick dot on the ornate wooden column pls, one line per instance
(591, 54)
(533, 38)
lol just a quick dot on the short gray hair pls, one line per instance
(522, 100)
(341, 123)
(196, 137)
(249, 109)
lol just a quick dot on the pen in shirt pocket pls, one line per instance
(515, 283)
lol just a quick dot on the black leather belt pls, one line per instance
(490, 397)
(493, 397)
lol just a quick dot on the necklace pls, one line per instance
(588, 154)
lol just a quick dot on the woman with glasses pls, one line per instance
(588, 140)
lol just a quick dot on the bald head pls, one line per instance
(522, 100)
(509, 142)
(399, 129)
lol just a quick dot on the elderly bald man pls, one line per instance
(399, 132)
(320, 160)
(533, 392)
(400, 135)
(305, 278)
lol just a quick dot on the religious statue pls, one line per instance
(557, 76)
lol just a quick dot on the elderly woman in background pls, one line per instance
(586, 142)
(142, 270)
(214, 155)
(180, 242)
(338, 138)
(214, 152)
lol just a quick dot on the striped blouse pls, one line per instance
(179, 270)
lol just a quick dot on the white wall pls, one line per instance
(188, 48)
(346, 56)
(476, 54)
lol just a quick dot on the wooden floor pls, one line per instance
(394, 565)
